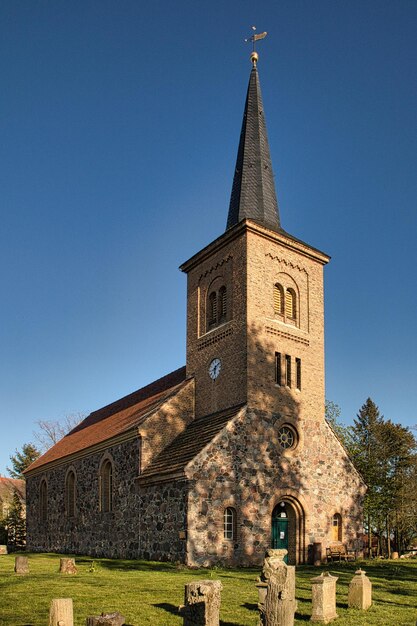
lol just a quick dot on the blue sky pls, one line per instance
(119, 126)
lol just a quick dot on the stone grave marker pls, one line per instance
(106, 619)
(276, 589)
(202, 603)
(360, 591)
(324, 598)
(61, 612)
(67, 566)
(21, 565)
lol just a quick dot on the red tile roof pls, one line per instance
(113, 419)
(9, 485)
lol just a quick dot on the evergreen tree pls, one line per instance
(16, 523)
(22, 460)
(366, 455)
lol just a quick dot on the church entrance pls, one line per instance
(280, 528)
(287, 530)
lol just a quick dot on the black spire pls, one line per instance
(253, 191)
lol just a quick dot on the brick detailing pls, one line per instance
(213, 339)
(279, 333)
(216, 266)
(285, 262)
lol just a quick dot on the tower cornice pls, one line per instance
(250, 226)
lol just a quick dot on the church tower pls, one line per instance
(255, 331)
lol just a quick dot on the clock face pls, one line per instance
(214, 368)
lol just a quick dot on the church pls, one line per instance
(230, 455)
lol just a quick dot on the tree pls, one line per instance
(51, 431)
(332, 414)
(385, 454)
(367, 459)
(22, 460)
(15, 523)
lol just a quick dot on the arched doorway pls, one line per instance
(287, 530)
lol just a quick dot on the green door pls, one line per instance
(280, 531)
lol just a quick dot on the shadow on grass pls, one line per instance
(250, 606)
(169, 608)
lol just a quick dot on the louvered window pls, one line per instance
(290, 306)
(70, 494)
(229, 523)
(106, 487)
(43, 501)
(222, 304)
(278, 299)
(212, 309)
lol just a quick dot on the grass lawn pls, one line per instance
(149, 593)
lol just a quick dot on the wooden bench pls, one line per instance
(337, 551)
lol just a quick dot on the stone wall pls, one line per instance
(245, 467)
(144, 523)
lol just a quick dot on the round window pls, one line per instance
(287, 437)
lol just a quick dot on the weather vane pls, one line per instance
(254, 38)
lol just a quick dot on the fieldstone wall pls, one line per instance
(246, 468)
(144, 523)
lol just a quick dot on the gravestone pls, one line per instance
(3, 549)
(202, 603)
(67, 566)
(106, 619)
(21, 565)
(61, 612)
(324, 598)
(276, 589)
(360, 591)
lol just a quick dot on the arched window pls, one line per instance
(222, 304)
(43, 501)
(106, 487)
(70, 494)
(337, 527)
(229, 523)
(278, 299)
(290, 304)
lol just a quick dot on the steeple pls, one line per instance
(253, 191)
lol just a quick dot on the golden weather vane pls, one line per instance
(254, 38)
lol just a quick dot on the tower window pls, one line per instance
(70, 494)
(290, 304)
(288, 370)
(229, 523)
(217, 307)
(222, 304)
(278, 299)
(212, 309)
(298, 373)
(106, 487)
(278, 370)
